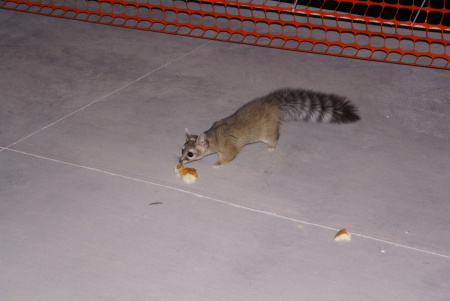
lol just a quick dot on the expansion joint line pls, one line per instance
(221, 201)
(105, 96)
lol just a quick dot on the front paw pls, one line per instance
(217, 165)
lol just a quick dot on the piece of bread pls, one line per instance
(187, 174)
(343, 234)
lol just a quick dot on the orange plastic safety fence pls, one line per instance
(415, 32)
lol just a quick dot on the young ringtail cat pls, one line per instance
(260, 120)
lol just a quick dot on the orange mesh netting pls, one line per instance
(415, 32)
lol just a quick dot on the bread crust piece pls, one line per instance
(189, 175)
(343, 234)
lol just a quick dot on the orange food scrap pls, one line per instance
(187, 174)
(343, 234)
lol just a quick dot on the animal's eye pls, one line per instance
(190, 154)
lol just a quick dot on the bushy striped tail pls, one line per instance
(311, 106)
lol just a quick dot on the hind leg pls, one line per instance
(271, 137)
(271, 147)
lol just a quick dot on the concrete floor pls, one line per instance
(92, 122)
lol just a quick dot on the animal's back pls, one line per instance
(250, 123)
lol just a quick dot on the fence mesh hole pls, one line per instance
(250, 39)
(185, 30)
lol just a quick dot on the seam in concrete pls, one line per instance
(273, 214)
(106, 95)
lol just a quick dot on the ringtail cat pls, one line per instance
(260, 120)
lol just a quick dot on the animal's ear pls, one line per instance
(188, 134)
(201, 142)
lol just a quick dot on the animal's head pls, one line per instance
(195, 148)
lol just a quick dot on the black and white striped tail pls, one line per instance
(311, 106)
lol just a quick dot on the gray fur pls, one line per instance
(260, 120)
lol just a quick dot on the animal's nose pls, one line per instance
(180, 161)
